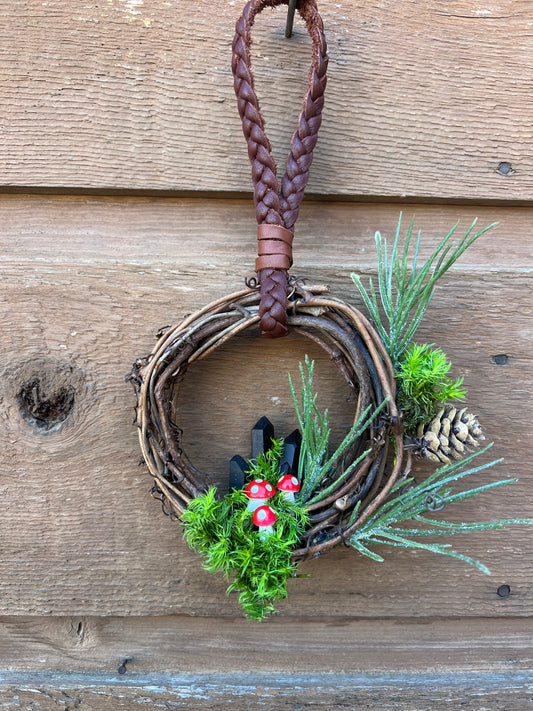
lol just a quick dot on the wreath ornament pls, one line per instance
(357, 351)
(361, 494)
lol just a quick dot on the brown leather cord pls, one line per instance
(277, 205)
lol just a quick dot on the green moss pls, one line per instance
(424, 385)
(222, 531)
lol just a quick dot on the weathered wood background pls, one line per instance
(125, 204)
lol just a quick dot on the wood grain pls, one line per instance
(166, 232)
(427, 103)
(297, 645)
(83, 298)
(423, 101)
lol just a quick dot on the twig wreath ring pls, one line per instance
(355, 348)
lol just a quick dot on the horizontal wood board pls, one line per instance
(214, 663)
(289, 646)
(428, 101)
(324, 692)
(85, 286)
(173, 233)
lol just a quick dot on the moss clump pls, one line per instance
(424, 385)
(222, 531)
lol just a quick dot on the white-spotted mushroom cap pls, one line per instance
(258, 492)
(289, 483)
(259, 489)
(264, 516)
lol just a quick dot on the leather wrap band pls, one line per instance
(274, 247)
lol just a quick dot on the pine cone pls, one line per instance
(449, 435)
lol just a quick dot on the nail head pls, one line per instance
(500, 359)
(505, 168)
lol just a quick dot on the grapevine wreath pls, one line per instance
(296, 499)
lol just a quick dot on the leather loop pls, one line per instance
(277, 207)
(274, 247)
(278, 232)
(272, 261)
(273, 308)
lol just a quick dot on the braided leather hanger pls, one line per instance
(277, 207)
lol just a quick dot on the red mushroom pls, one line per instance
(264, 518)
(259, 492)
(289, 485)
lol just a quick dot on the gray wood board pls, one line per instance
(511, 692)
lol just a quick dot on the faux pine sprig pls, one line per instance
(410, 502)
(405, 290)
(315, 463)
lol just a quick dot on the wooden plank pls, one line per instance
(328, 692)
(168, 231)
(217, 663)
(425, 101)
(81, 533)
(289, 645)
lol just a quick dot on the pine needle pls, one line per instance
(414, 501)
(405, 291)
(315, 463)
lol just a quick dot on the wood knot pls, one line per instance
(43, 405)
(45, 392)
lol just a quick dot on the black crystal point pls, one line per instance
(288, 464)
(238, 468)
(262, 436)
